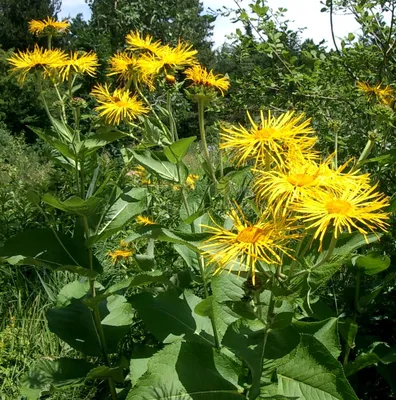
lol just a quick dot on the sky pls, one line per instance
(304, 13)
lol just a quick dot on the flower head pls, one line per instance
(190, 181)
(120, 254)
(118, 106)
(48, 26)
(135, 41)
(84, 63)
(44, 61)
(354, 208)
(144, 220)
(201, 77)
(271, 138)
(247, 243)
(383, 95)
(124, 66)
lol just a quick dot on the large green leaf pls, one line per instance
(325, 331)
(159, 167)
(311, 372)
(75, 325)
(171, 317)
(189, 371)
(99, 140)
(176, 151)
(45, 376)
(373, 263)
(40, 247)
(74, 205)
(126, 206)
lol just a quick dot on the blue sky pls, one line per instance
(304, 13)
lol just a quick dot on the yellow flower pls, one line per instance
(44, 61)
(135, 41)
(190, 181)
(144, 220)
(383, 95)
(119, 254)
(86, 63)
(247, 243)
(298, 177)
(201, 77)
(269, 139)
(48, 26)
(165, 58)
(118, 106)
(355, 208)
(124, 66)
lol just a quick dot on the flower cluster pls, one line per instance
(296, 192)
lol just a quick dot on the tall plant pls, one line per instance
(270, 211)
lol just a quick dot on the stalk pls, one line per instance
(201, 264)
(366, 151)
(172, 122)
(201, 109)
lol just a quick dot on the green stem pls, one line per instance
(201, 110)
(172, 122)
(63, 109)
(49, 42)
(267, 161)
(329, 252)
(201, 264)
(336, 148)
(366, 151)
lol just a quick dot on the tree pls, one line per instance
(15, 16)
(167, 20)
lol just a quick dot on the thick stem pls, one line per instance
(172, 122)
(201, 110)
(366, 151)
(336, 148)
(201, 264)
(49, 42)
(329, 252)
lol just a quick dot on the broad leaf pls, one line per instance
(74, 205)
(40, 247)
(170, 317)
(311, 372)
(176, 151)
(45, 376)
(372, 263)
(189, 371)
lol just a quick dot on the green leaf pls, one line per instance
(204, 308)
(75, 325)
(142, 279)
(46, 375)
(325, 331)
(176, 151)
(373, 263)
(103, 372)
(99, 140)
(128, 205)
(170, 317)
(348, 330)
(40, 247)
(362, 361)
(139, 361)
(74, 205)
(311, 372)
(192, 371)
(189, 256)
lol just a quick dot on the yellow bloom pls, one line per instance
(383, 95)
(269, 139)
(119, 254)
(144, 220)
(86, 63)
(135, 41)
(124, 66)
(201, 77)
(48, 26)
(44, 61)
(298, 177)
(118, 106)
(355, 208)
(247, 243)
(190, 181)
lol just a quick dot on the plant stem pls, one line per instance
(201, 110)
(336, 148)
(172, 122)
(329, 252)
(201, 264)
(49, 42)
(366, 151)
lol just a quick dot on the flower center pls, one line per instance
(339, 207)
(250, 235)
(300, 179)
(264, 134)
(122, 104)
